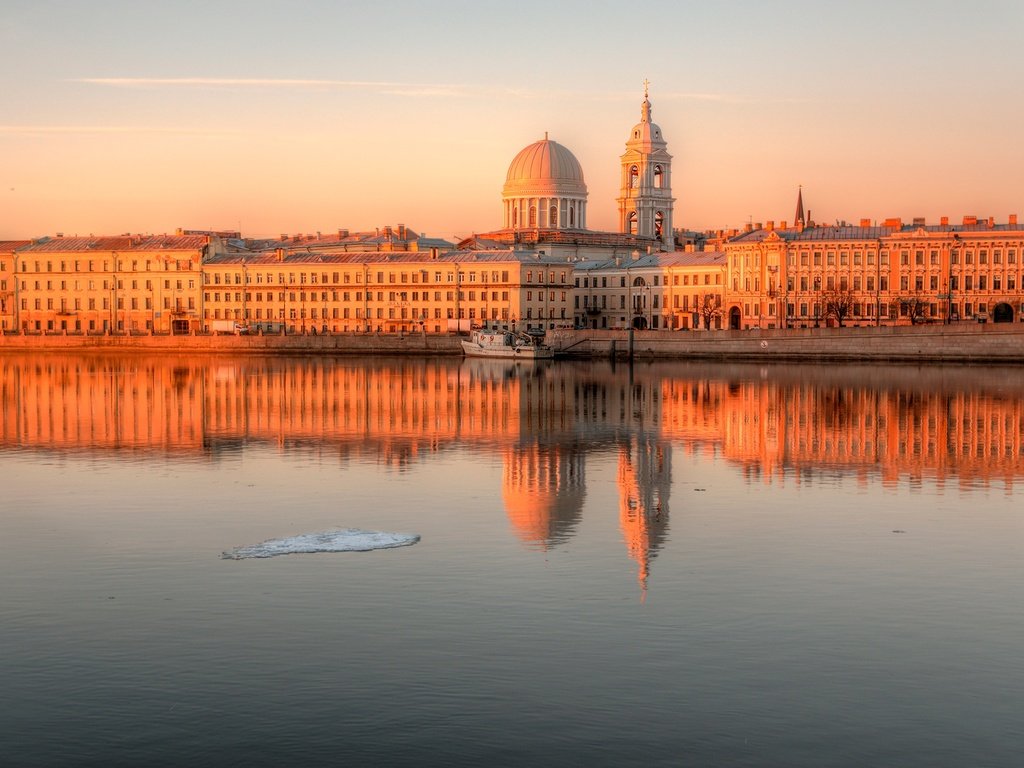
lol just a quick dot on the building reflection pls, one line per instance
(544, 423)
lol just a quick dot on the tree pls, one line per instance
(709, 307)
(913, 307)
(838, 303)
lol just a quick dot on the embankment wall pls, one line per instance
(989, 343)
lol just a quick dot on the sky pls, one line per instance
(286, 117)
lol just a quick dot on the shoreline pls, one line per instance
(962, 343)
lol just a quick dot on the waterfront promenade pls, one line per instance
(961, 343)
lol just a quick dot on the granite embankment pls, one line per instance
(963, 343)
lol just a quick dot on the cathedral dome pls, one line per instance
(544, 189)
(545, 168)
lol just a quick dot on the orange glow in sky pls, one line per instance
(144, 119)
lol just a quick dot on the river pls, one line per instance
(664, 564)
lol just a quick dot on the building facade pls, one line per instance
(125, 284)
(894, 274)
(387, 292)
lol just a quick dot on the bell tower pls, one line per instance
(645, 190)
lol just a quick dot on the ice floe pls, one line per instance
(347, 540)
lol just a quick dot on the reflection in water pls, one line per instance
(960, 425)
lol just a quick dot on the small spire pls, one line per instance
(645, 108)
(799, 217)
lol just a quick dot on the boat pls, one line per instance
(506, 344)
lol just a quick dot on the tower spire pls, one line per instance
(798, 219)
(645, 108)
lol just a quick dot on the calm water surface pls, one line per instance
(667, 565)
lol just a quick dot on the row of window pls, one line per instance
(77, 305)
(38, 285)
(94, 265)
(347, 278)
(346, 296)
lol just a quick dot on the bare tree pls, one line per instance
(709, 308)
(913, 307)
(838, 303)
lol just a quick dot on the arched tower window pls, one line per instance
(533, 216)
(659, 221)
(634, 177)
(553, 216)
(631, 224)
(658, 176)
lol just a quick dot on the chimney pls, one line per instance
(387, 232)
(748, 227)
(1013, 219)
(944, 221)
(342, 233)
(318, 234)
(919, 221)
(770, 226)
(991, 222)
(893, 223)
(401, 231)
(284, 238)
(433, 253)
(970, 221)
(782, 225)
(865, 222)
(279, 253)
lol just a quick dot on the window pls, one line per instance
(634, 177)
(658, 177)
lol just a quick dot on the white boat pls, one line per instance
(505, 344)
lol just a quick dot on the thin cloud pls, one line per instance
(391, 88)
(66, 130)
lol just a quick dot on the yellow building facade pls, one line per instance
(894, 274)
(125, 284)
(431, 292)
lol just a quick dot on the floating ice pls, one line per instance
(347, 540)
